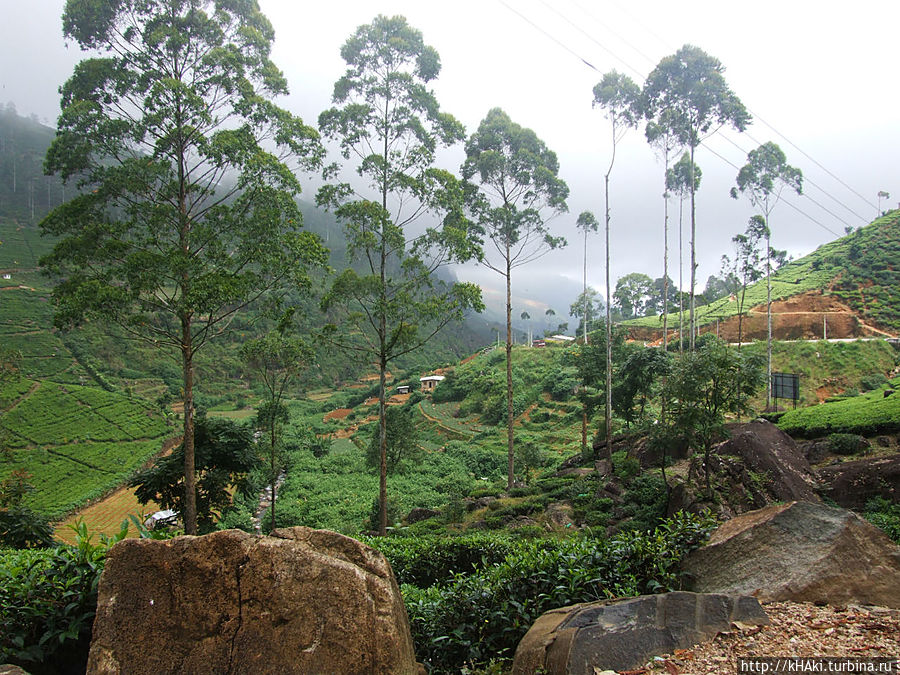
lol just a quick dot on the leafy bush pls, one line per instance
(846, 444)
(20, 527)
(884, 515)
(47, 604)
(872, 382)
(867, 415)
(425, 561)
(476, 618)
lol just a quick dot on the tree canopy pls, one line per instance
(513, 189)
(186, 210)
(389, 122)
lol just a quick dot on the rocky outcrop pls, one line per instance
(799, 552)
(769, 452)
(757, 466)
(299, 601)
(419, 514)
(623, 634)
(852, 484)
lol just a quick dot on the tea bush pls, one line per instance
(474, 618)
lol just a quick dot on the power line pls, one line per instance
(549, 36)
(793, 206)
(806, 179)
(578, 56)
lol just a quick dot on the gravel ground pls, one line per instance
(796, 630)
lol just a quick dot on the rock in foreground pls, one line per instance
(624, 634)
(300, 601)
(799, 552)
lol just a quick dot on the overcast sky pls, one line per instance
(821, 74)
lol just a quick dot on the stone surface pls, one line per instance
(800, 552)
(759, 465)
(419, 513)
(623, 634)
(9, 669)
(560, 515)
(852, 484)
(299, 601)
(769, 452)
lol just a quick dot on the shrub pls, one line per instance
(429, 560)
(884, 515)
(871, 382)
(479, 617)
(47, 604)
(846, 444)
(20, 527)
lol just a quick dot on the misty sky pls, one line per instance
(822, 76)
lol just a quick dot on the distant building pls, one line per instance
(559, 339)
(538, 343)
(429, 382)
(403, 389)
(7, 276)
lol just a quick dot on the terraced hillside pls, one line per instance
(75, 442)
(847, 288)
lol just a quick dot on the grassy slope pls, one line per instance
(862, 269)
(75, 442)
(868, 414)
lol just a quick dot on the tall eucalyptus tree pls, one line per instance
(587, 222)
(403, 216)
(620, 97)
(513, 191)
(763, 180)
(186, 209)
(678, 182)
(662, 134)
(691, 87)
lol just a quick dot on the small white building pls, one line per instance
(429, 382)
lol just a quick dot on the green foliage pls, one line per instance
(868, 415)
(224, 454)
(424, 561)
(846, 444)
(872, 381)
(885, 515)
(48, 601)
(187, 212)
(481, 616)
(20, 527)
(402, 449)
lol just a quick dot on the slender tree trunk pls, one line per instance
(190, 479)
(273, 478)
(666, 269)
(382, 433)
(693, 248)
(608, 412)
(584, 287)
(382, 339)
(768, 318)
(583, 431)
(680, 276)
(511, 476)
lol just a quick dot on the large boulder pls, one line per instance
(800, 552)
(852, 484)
(624, 634)
(759, 465)
(299, 601)
(769, 452)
